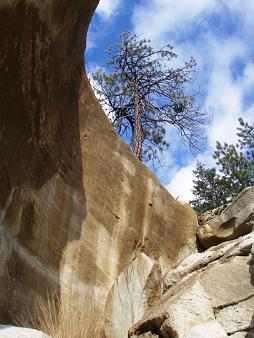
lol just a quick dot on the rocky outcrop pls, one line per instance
(7, 331)
(199, 261)
(76, 206)
(81, 218)
(210, 292)
(235, 220)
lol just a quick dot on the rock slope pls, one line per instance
(210, 294)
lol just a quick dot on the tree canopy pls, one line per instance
(235, 171)
(143, 93)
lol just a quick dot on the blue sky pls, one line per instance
(219, 34)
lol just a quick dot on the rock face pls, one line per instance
(126, 301)
(208, 293)
(82, 218)
(76, 206)
(7, 331)
(235, 220)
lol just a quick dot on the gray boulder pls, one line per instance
(235, 220)
(210, 294)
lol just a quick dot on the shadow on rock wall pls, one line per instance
(42, 199)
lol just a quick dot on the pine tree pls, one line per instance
(246, 138)
(143, 93)
(206, 188)
(235, 171)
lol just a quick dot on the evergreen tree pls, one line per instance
(214, 187)
(207, 188)
(246, 138)
(143, 93)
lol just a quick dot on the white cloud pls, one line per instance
(248, 76)
(154, 18)
(224, 94)
(181, 183)
(244, 8)
(171, 21)
(92, 68)
(107, 8)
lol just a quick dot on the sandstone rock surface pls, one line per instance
(76, 206)
(199, 261)
(235, 220)
(237, 317)
(209, 294)
(80, 216)
(188, 309)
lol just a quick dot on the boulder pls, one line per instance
(126, 301)
(199, 261)
(189, 308)
(8, 331)
(235, 220)
(210, 292)
(213, 328)
(237, 317)
(76, 206)
(228, 283)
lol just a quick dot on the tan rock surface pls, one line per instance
(192, 307)
(212, 289)
(199, 261)
(235, 220)
(75, 205)
(237, 317)
(126, 300)
(228, 283)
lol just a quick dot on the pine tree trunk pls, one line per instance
(137, 136)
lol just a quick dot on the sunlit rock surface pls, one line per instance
(209, 294)
(235, 220)
(126, 301)
(7, 331)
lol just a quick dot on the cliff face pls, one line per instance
(76, 206)
(42, 197)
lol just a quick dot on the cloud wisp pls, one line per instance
(107, 8)
(219, 35)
